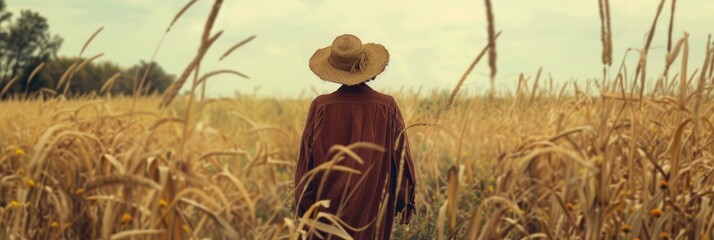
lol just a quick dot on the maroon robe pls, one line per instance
(349, 115)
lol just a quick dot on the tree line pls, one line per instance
(29, 64)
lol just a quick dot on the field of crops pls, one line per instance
(626, 156)
(554, 166)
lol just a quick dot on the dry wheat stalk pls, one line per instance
(32, 75)
(468, 71)
(671, 26)
(210, 21)
(605, 34)
(711, 65)
(87, 61)
(491, 42)
(173, 89)
(230, 50)
(672, 55)
(683, 73)
(234, 47)
(9, 84)
(138, 89)
(535, 86)
(205, 44)
(107, 86)
(609, 33)
(206, 76)
(641, 68)
(65, 75)
(452, 199)
(180, 13)
(86, 44)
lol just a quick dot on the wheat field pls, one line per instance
(620, 157)
(555, 167)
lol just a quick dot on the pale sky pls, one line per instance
(431, 43)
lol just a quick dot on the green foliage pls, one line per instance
(93, 76)
(24, 43)
(157, 80)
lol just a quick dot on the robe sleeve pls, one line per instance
(406, 192)
(304, 191)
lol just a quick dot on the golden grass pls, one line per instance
(600, 162)
(553, 167)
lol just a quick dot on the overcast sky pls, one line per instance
(431, 43)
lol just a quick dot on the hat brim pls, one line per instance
(377, 60)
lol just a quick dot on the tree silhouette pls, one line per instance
(24, 44)
(156, 81)
(93, 76)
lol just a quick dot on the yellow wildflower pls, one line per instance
(15, 204)
(625, 228)
(163, 203)
(126, 218)
(30, 182)
(186, 228)
(664, 235)
(656, 212)
(516, 211)
(663, 184)
(54, 224)
(20, 152)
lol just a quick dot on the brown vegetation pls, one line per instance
(604, 162)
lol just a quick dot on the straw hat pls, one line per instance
(348, 61)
